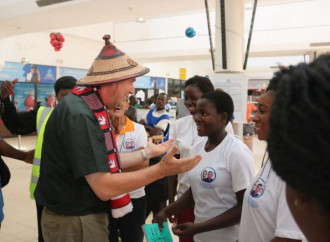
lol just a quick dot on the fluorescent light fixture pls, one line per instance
(140, 20)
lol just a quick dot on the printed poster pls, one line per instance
(28, 73)
(46, 95)
(24, 96)
(40, 73)
(150, 82)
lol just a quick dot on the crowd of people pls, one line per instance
(97, 172)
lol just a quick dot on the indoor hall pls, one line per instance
(285, 32)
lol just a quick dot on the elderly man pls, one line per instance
(81, 165)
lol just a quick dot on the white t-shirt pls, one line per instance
(232, 167)
(135, 136)
(185, 135)
(265, 213)
(229, 128)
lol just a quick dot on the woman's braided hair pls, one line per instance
(299, 131)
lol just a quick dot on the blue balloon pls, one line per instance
(190, 32)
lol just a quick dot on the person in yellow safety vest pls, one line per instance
(27, 122)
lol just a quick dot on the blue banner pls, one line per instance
(24, 96)
(40, 73)
(11, 71)
(28, 73)
(47, 73)
(46, 95)
(75, 72)
(161, 83)
(142, 82)
(150, 82)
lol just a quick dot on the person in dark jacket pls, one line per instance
(26, 122)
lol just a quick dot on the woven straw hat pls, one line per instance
(112, 65)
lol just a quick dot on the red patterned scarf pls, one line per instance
(92, 96)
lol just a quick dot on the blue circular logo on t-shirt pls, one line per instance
(208, 174)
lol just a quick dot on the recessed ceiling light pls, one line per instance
(248, 5)
(140, 20)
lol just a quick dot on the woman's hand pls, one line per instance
(160, 218)
(186, 230)
(29, 156)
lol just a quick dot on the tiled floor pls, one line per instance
(20, 212)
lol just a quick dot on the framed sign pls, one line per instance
(236, 86)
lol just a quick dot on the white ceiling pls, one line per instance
(24, 16)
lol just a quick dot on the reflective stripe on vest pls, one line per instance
(42, 118)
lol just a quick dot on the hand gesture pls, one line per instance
(186, 230)
(154, 150)
(7, 88)
(169, 165)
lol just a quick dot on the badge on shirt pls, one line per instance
(258, 188)
(129, 144)
(208, 174)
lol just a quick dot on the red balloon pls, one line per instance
(59, 37)
(56, 40)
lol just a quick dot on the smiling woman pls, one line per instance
(218, 182)
(185, 135)
(130, 136)
(264, 199)
(299, 144)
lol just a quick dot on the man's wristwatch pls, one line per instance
(144, 155)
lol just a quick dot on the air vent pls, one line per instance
(321, 44)
(45, 3)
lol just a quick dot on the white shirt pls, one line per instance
(266, 214)
(229, 128)
(233, 169)
(130, 141)
(185, 135)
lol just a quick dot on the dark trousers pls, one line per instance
(39, 213)
(128, 228)
(156, 192)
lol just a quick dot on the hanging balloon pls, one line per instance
(190, 32)
(56, 40)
